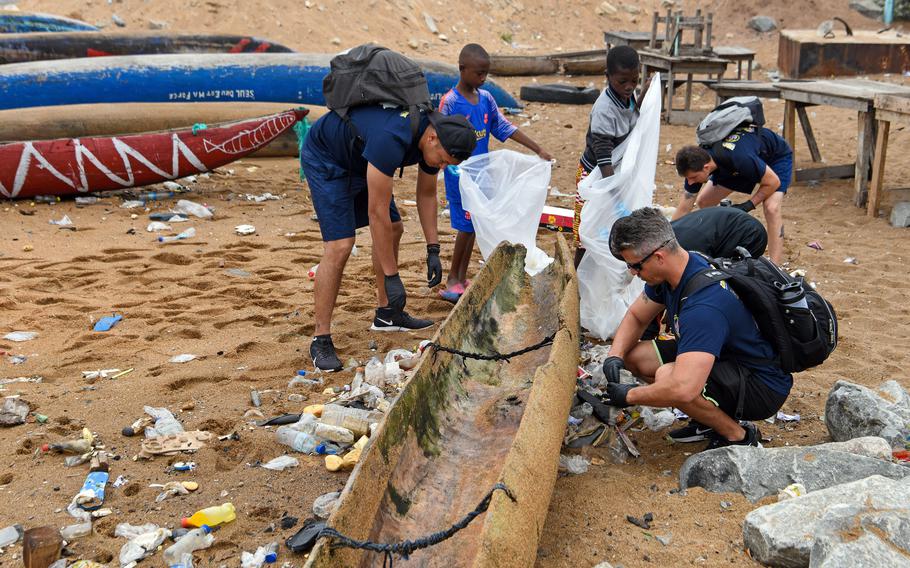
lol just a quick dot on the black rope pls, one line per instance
(407, 547)
(548, 340)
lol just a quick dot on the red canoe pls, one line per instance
(82, 165)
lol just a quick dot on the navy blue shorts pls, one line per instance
(340, 199)
(783, 167)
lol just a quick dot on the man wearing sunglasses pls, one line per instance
(719, 369)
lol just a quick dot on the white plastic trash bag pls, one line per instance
(505, 192)
(606, 286)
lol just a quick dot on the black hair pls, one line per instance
(691, 159)
(472, 51)
(622, 57)
(643, 231)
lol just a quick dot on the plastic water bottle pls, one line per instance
(374, 373)
(185, 207)
(165, 423)
(196, 539)
(211, 516)
(299, 441)
(46, 199)
(796, 310)
(354, 419)
(189, 233)
(312, 271)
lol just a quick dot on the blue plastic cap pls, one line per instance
(271, 557)
(206, 529)
(301, 372)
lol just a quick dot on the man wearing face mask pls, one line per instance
(349, 165)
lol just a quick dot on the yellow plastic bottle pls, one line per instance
(210, 516)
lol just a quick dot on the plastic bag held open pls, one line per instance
(505, 192)
(606, 286)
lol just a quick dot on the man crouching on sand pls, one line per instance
(718, 369)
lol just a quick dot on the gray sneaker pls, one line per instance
(388, 319)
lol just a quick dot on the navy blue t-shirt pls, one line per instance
(743, 156)
(715, 321)
(387, 140)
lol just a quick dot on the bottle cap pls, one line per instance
(301, 372)
(46, 448)
(185, 523)
(206, 529)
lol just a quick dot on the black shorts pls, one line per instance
(723, 385)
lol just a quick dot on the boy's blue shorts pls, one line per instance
(784, 170)
(340, 199)
(460, 219)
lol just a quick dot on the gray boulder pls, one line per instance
(784, 534)
(900, 214)
(853, 410)
(876, 538)
(868, 8)
(760, 472)
(762, 24)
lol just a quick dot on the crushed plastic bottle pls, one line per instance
(303, 442)
(656, 420)
(165, 423)
(79, 530)
(10, 535)
(354, 419)
(576, 465)
(264, 555)
(196, 539)
(393, 373)
(142, 545)
(211, 516)
(186, 207)
(281, 463)
(325, 504)
(187, 234)
(312, 271)
(80, 446)
(374, 373)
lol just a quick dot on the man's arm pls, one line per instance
(767, 186)
(688, 378)
(427, 206)
(379, 188)
(642, 311)
(530, 144)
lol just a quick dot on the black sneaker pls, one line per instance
(692, 432)
(753, 438)
(322, 350)
(388, 319)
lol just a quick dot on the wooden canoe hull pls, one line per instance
(452, 434)
(83, 121)
(18, 48)
(25, 22)
(73, 165)
(294, 78)
(521, 65)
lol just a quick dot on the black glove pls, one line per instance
(394, 290)
(612, 367)
(746, 206)
(616, 394)
(434, 266)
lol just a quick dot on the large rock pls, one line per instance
(760, 472)
(784, 534)
(864, 547)
(762, 24)
(900, 214)
(868, 8)
(854, 410)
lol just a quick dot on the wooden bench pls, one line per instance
(729, 89)
(738, 55)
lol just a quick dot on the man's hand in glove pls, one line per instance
(612, 366)
(434, 266)
(746, 206)
(394, 290)
(616, 394)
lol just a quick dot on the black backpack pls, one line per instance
(727, 116)
(371, 74)
(802, 337)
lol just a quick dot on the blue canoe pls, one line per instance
(24, 22)
(268, 77)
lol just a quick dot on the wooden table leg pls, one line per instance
(671, 87)
(807, 131)
(790, 129)
(689, 92)
(878, 168)
(864, 145)
(749, 69)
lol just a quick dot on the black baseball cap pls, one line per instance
(455, 133)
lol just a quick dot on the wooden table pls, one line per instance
(738, 55)
(685, 64)
(636, 40)
(888, 108)
(730, 89)
(855, 94)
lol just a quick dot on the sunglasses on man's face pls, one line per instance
(637, 266)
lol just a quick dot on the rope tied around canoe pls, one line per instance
(407, 547)
(548, 340)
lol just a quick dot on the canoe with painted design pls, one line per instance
(26, 22)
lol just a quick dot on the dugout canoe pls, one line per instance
(522, 65)
(26, 22)
(81, 165)
(83, 121)
(18, 48)
(457, 429)
(294, 78)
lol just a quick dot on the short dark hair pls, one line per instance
(622, 57)
(642, 231)
(472, 51)
(691, 159)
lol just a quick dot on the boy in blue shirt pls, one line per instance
(478, 105)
